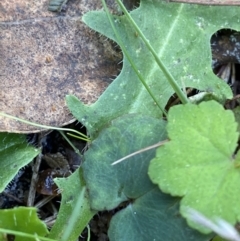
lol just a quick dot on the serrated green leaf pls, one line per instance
(145, 216)
(198, 161)
(71, 189)
(180, 34)
(23, 219)
(236, 112)
(15, 153)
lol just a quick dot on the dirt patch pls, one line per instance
(45, 56)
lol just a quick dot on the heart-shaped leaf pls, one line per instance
(154, 216)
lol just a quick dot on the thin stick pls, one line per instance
(44, 201)
(140, 151)
(35, 169)
(13, 197)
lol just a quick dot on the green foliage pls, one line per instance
(15, 153)
(180, 35)
(110, 185)
(71, 188)
(198, 161)
(218, 239)
(236, 112)
(152, 216)
(22, 219)
(149, 214)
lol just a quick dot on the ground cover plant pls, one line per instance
(196, 164)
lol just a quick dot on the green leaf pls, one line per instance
(23, 219)
(110, 185)
(236, 112)
(198, 161)
(217, 238)
(180, 34)
(153, 216)
(15, 153)
(147, 209)
(71, 189)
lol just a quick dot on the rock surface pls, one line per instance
(45, 56)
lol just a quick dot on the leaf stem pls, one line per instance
(161, 65)
(70, 143)
(130, 59)
(83, 137)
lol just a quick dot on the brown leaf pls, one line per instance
(44, 56)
